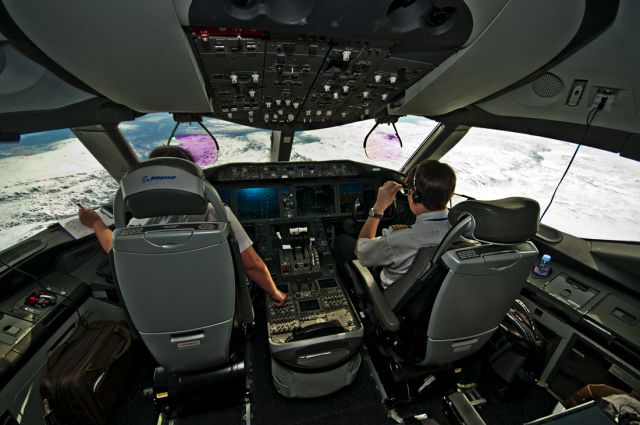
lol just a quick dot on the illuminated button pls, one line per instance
(385, 96)
(296, 104)
(393, 79)
(268, 104)
(287, 102)
(365, 94)
(377, 78)
(278, 102)
(336, 95)
(345, 89)
(255, 78)
(252, 93)
(346, 55)
(234, 79)
(327, 87)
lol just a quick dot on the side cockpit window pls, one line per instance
(598, 199)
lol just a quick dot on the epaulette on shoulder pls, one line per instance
(400, 226)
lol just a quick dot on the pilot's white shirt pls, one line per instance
(395, 250)
(243, 239)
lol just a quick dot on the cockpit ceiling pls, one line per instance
(290, 63)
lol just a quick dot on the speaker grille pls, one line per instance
(17, 252)
(547, 85)
(3, 60)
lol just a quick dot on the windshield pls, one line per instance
(238, 143)
(598, 199)
(345, 142)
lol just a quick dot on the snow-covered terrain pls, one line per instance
(43, 177)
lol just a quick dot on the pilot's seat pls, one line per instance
(181, 282)
(456, 294)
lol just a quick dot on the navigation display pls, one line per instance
(255, 203)
(349, 192)
(315, 200)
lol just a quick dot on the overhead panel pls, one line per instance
(269, 80)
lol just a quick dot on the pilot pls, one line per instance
(431, 185)
(253, 265)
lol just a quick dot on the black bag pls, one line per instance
(86, 374)
(515, 354)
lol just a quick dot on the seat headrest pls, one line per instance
(508, 220)
(164, 186)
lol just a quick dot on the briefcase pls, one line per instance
(86, 374)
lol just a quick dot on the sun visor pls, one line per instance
(164, 186)
(508, 220)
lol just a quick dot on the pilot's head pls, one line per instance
(171, 152)
(431, 183)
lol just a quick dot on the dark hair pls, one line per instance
(171, 152)
(434, 183)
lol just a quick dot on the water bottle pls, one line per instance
(543, 268)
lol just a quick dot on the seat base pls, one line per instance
(405, 382)
(295, 384)
(182, 393)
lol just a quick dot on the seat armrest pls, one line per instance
(381, 307)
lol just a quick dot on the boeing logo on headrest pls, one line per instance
(147, 179)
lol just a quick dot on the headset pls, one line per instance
(416, 195)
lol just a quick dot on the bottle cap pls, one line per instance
(546, 257)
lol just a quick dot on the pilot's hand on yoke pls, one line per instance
(386, 195)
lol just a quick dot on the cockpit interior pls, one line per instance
(510, 319)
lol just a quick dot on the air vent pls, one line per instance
(547, 85)
(548, 234)
(13, 255)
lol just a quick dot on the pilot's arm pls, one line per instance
(90, 218)
(258, 272)
(253, 265)
(386, 196)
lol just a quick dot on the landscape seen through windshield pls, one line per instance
(45, 175)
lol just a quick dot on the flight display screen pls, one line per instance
(255, 203)
(327, 283)
(308, 305)
(315, 200)
(365, 193)
(225, 195)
